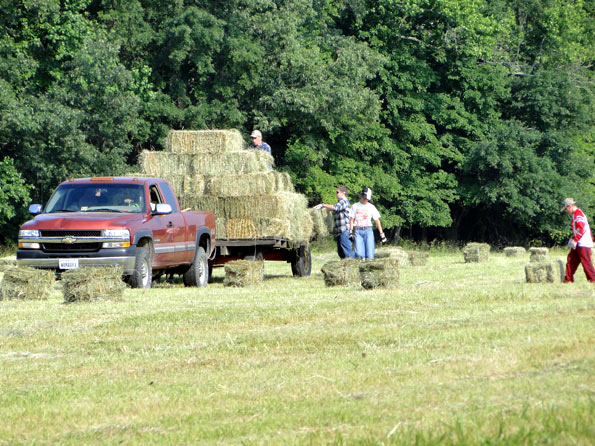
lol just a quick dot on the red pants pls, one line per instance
(578, 256)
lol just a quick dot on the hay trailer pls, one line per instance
(264, 248)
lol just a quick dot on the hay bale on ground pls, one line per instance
(476, 252)
(538, 254)
(514, 251)
(27, 283)
(536, 272)
(394, 254)
(204, 141)
(93, 283)
(417, 258)
(379, 273)
(241, 273)
(343, 272)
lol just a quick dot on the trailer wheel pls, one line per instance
(198, 273)
(143, 269)
(257, 257)
(301, 264)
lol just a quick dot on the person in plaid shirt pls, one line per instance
(341, 214)
(580, 243)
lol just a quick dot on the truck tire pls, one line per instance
(143, 269)
(301, 264)
(198, 273)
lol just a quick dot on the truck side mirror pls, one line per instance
(162, 208)
(35, 209)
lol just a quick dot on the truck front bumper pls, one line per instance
(124, 257)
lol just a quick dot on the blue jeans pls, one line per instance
(344, 245)
(364, 243)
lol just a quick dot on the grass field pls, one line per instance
(457, 354)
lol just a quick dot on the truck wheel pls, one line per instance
(143, 269)
(198, 273)
(257, 257)
(301, 264)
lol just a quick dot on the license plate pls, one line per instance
(68, 263)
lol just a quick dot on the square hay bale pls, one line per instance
(476, 252)
(379, 273)
(417, 258)
(394, 254)
(344, 272)
(168, 165)
(322, 223)
(241, 273)
(204, 141)
(93, 284)
(256, 184)
(514, 251)
(538, 254)
(27, 283)
(545, 271)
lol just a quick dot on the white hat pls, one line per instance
(256, 134)
(567, 202)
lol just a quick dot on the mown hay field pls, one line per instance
(457, 353)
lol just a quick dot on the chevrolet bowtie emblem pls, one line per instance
(68, 240)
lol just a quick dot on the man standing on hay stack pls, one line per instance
(341, 215)
(360, 225)
(258, 144)
(580, 243)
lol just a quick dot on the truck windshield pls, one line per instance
(97, 198)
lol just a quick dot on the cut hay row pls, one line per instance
(204, 141)
(26, 283)
(167, 165)
(7, 263)
(93, 283)
(241, 273)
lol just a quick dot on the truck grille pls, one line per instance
(49, 233)
(72, 248)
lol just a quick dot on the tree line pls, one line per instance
(469, 119)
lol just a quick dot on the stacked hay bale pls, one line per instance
(26, 283)
(514, 251)
(241, 273)
(211, 170)
(323, 223)
(92, 284)
(343, 272)
(541, 269)
(396, 254)
(476, 252)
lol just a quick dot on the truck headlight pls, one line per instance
(122, 236)
(28, 234)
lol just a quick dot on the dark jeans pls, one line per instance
(577, 256)
(344, 248)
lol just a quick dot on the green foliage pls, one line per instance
(14, 196)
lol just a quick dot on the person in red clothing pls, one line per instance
(580, 243)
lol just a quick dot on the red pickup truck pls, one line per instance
(135, 223)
